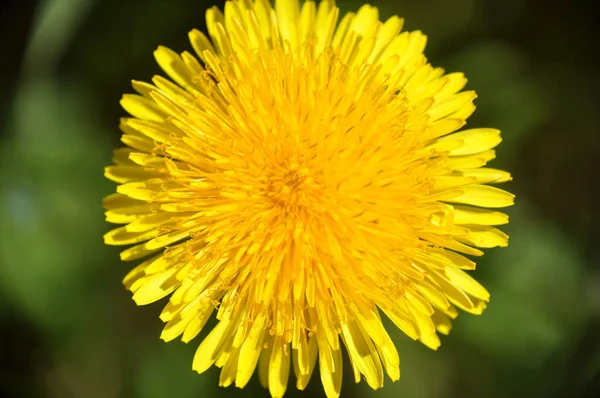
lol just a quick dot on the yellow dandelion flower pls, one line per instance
(303, 180)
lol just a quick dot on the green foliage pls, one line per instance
(59, 279)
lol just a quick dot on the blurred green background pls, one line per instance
(68, 327)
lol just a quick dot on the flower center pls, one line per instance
(293, 179)
(293, 191)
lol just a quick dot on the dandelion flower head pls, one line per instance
(301, 178)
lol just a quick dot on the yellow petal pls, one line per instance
(473, 141)
(117, 200)
(171, 89)
(307, 21)
(197, 324)
(249, 354)
(451, 105)
(135, 252)
(206, 354)
(279, 368)
(143, 88)
(342, 29)
(484, 196)
(442, 322)
(332, 381)
(304, 368)
(426, 327)
(264, 362)
(174, 328)
(327, 16)
(123, 174)
(452, 292)
(228, 373)
(486, 175)
(432, 294)
(362, 353)
(156, 286)
(288, 13)
(454, 83)
(168, 238)
(390, 29)
(120, 236)
(389, 356)
(200, 43)
(402, 322)
(484, 236)
(471, 161)
(466, 283)
(136, 273)
(142, 108)
(173, 66)
(473, 215)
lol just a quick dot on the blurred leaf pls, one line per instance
(57, 23)
(512, 95)
(537, 300)
(51, 211)
(455, 18)
(64, 283)
(166, 368)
